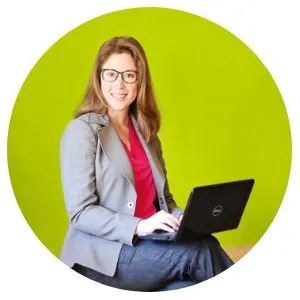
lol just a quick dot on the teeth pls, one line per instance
(119, 97)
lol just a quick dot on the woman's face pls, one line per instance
(119, 92)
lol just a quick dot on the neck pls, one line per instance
(119, 118)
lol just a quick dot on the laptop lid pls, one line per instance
(215, 208)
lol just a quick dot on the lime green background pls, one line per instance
(223, 117)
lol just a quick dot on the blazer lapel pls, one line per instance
(114, 150)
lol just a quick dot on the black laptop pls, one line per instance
(210, 209)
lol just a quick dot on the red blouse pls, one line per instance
(144, 182)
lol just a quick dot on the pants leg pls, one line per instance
(151, 265)
(209, 259)
(175, 285)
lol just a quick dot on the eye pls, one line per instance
(130, 75)
(111, 74)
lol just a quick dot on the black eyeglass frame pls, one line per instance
(119, 73)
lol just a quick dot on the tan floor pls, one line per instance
(236, 253)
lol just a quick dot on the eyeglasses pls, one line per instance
(110, 75)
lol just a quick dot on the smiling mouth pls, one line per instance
(119, 97)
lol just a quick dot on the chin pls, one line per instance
(119, 107)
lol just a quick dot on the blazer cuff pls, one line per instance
(176, 212)
(128, 225)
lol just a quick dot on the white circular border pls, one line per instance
(29, 28)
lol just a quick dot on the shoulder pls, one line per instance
(84, 127)
(93, 118)
(89, 120)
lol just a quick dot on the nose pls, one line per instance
(119, 82)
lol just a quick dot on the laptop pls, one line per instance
(210, 209)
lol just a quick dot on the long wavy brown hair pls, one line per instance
(144, 108)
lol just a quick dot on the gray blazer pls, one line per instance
(99, 191)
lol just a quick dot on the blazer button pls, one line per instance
(130, 204)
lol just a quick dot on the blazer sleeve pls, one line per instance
(172, 206)
(77, 159)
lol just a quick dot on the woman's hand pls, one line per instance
(161, 220)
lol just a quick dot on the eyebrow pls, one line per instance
(128, 70)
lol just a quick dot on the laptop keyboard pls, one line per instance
(160, 235)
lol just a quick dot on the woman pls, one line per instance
(115, 184)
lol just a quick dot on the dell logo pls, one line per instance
(217, 210)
